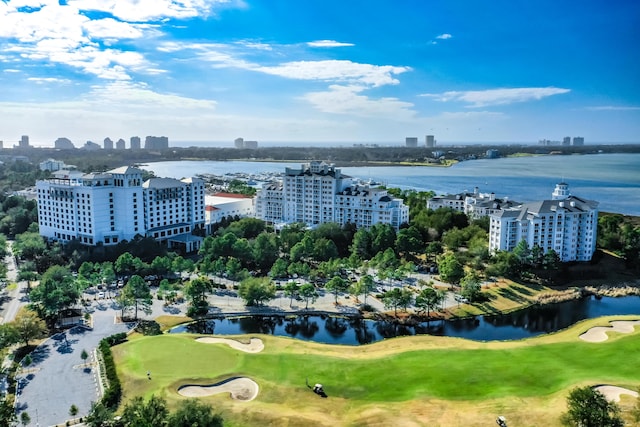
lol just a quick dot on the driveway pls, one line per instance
(58, 377)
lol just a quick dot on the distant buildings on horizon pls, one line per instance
(241, 143)
(412, 141)
(566, 141)
(63, 143)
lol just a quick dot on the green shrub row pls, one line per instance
(113, 392)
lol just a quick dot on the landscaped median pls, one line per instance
(419, 380)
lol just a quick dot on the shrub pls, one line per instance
(148, 327)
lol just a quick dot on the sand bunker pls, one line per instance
(241, 388)
(255, 345)
(599, 333)
(613, 393)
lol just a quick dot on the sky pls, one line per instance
(330, 71)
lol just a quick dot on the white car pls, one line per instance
(100, 295)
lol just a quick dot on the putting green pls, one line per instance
(420, 380)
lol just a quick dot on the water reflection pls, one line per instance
(335, 330)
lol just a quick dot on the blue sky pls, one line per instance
(311, 71)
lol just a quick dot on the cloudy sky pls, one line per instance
(311, 70)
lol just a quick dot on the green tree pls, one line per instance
(57, 291)
(84, 355)
(192, 413)
(28, 326)
(279, 268)
(138, 413)
(450, 268)
(256, 290)
(587, 407)
(29, 245)
(73, 410)
(471, 287)
(7, 412)
(364, 286)
(137, 292)
(397, 297)
(127, 264)
(8, 335)
(265, 250)
(551, 260)
(196, 290)
(308, 293)
(291, 290)
(99, 415)
(429, 299)
(336, 285)
(25, 419)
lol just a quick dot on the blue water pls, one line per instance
(525, 323)
(611, 179)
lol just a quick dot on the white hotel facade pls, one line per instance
(106, 208)
(566, 224)
(318, 193)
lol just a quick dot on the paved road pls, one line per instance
(58, 379)
(16, 298)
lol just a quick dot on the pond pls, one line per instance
(326, 329)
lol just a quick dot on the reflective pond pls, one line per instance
(525, 323)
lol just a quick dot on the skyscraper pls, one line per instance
(24, 141)
(135, 142)
(430, 141)
(578, 140)
(108, 144)
(411, 141)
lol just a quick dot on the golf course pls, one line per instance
(408, 381)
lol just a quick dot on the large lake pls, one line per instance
(611, 179)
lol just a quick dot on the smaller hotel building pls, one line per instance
(566, 224)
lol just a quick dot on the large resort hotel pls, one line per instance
(318, 192)
(107, 208)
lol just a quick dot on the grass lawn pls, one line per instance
(402, 381)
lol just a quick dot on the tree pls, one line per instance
(196, 290)
(551, 260)
(429, 299)
(336, 285)
(7, 412)
(265, 250)
(99, 415)
(138, 413)
(450, 268)
(73, 410)
(256, 290)
(192, 413)
(57, 291)
(397, 297)
(84, 355)
(588, 407)
(25, 419)
(8, 335)
(471, 287)
(308, 293)
(28, 326)
(291, 290)
(364, 286)
(127, 264)
(137, 292)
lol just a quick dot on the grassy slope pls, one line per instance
(419, 380)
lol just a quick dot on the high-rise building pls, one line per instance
(565, 224)
(252, 145)
(430, 141)
(135, 142)
(108, 207)
(578, 140)
(318, 192)
(411, 141)
(238, 143)
(120, 144)
(156, 143)
(108, 144)
(24, 141)
(63, 144)
(566, 140)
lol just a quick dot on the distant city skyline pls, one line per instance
(210, 71)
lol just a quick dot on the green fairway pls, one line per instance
(400, 370)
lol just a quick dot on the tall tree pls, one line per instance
(28, 326)
(57, 291)
(196, 290)
(256, 290)
(137, 291)
(336, 285)
(138, 413)
(308, 293)
(429, 299)
(364, 286)
(193, 413)
(291, 290)
(450, 268)
(587, 407)
(397, 297)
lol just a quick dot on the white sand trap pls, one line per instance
(241, 388)
(255, 345)
(613, 393)
(599, 333)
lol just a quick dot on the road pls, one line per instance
(16, 298)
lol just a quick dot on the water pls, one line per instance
(525, 323)
(611, 179)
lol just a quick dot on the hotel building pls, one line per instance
(318, 193)
(566, 224)
(106, 208)
(475, 205)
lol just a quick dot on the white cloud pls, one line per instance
(341, 71)
(444, 36)
(11, 70)
(328, 43)
(42, 80)
(150, 10)
(484, 98)
(347, 100)
(613, 108)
